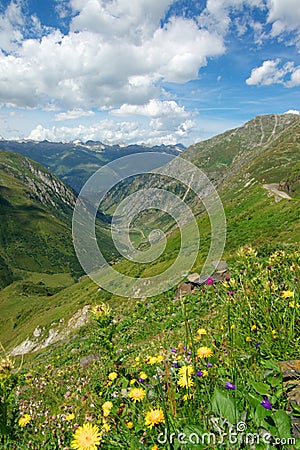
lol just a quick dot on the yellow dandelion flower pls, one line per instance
(143, 375)
(201, 331)
(159, 358)
(154, 417)
(254, 328)
(70, 417)
(186, 370)
(185, 381)
(137, 359)
(87, 437)
(187, 397)
(24, 420)
(248, 339)
(274, 332)
(204, 352)
(287, 294)
(129, 425)
(106, 407)
(132, 381)
(112, 376)
(204, 373)
(137, 394)
(292, 304)
(155, 447)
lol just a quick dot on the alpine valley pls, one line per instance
(76, 347)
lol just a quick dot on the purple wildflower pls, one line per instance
(257, 344)
(229, 385)
(209, 280)
(174, 350)
(141, 380)
(227, 278)
(266, 403)
(209, 365)
(176, 365)
(199, 374)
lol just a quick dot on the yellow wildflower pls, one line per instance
(201, 331)
(106, 427)
(185, 381)
(292, 304)
(87, 437)
(254, 328)
(137, 394)
(106, 407)
(112, 376)
(132, 381)
(143, 375)
(186, 370)
(129, 425)
(154, 417)
(70, 417)
(187, 397)
(287, 294)
(248, 339)
(24, 420)
(204, 352)
(204, 373)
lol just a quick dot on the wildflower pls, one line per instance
(132, 381)
(24, 420)
(187, 397)
(229, 385)
(129, 425)
(154, 417)
(143, 375)
(230, 293)
(232, 327)
(6, 367)
(100, 311)
(204, 352)
(106, 427)
(152, 360)
(174, 350)
(199, 374)
(248, 339)
(287, 294)
(87, 437)
(70, 417)
(274, 332)
(137, 394)
(185, 381)
(266, 403)
(209, 281)
(209, 365)
(186, 370)
(292, 304)
(112, 376)
(106, 407)
(137, 359)
(205, 373)
(254, 328)
(201, 331)
(155, 447)
(257, 344)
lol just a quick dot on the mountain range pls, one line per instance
(255, 169)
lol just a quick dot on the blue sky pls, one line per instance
(152, 71)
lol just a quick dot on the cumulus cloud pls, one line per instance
(270, 73)
(11, 22)
(115, 53)
(284, 15)
(73, 114)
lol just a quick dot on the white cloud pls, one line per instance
(270, 73)
(155, 108)
(292, 111)
(73, 114)
(284, 14)
(11, 22)
(98, 65)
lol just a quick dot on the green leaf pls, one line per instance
(283, 424)
(261, 388)
(260, 414)
(224, 406)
